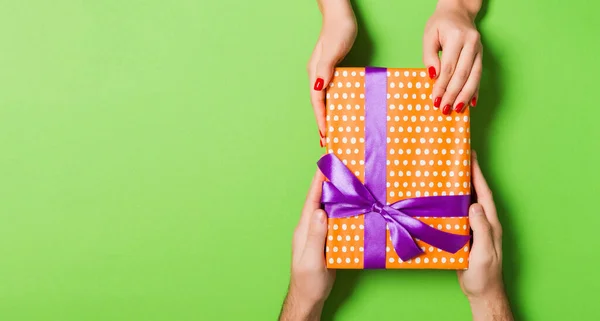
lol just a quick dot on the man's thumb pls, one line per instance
(482, 230)
(317, 232)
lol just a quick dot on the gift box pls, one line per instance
(398, 173)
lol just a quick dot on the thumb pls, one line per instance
(326, 65)
(315, 240)
(482, 230)
(323, 74)
(431, 49)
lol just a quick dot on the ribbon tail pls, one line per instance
(405, 246)
(442, 240)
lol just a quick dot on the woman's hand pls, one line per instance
(310, 280)
(337, 37)
(451, 29)
(482, 282)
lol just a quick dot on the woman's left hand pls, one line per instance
(451, 29)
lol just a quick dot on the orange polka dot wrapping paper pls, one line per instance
(426, 155)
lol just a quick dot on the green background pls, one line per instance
(154, 157)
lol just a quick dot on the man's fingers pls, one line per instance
(431, 50)
(313, 198)
(315, 238)
(312, 203)
(484, 196)
(482, 230)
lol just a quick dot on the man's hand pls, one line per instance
(482, 282)
(310, 281)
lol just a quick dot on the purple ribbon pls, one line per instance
(345, 196)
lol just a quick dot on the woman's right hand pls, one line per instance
(337, 37)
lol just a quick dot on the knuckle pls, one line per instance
(450, 94)
(456, 32)
(296, 235)
(485, 194)
(448, 69)
(315, 101)
(474, 37)
(499, 232)
(462, 74)
(464, 96)
(486, 228)
(488, 259)
(311, 64)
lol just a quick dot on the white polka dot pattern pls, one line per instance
(428, 154)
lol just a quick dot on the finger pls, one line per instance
(467, 94)
(317, 94)
(482, 230)
(324, 73)
(484, 196)
(450, 55)
(317, 100)
(459, 77)
(313, 197)
(431, 51)
(313, 202)
(315, 238)
(475, 97)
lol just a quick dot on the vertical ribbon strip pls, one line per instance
(375, 157)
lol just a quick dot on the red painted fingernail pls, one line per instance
(474, 101)
(459, 107)
(447, 109)
(319, 84)
(321, 134)
(321, 142)
(431, 71)
(437, 102)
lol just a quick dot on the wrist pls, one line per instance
(300, 308)
(493, 305)
(467, 7)
(491, 294)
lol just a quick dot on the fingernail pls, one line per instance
(321, 143)
(319, 84)
(319, 216)
(476, 209)
(437, 102)
(459, 107)
(431, 71)
(321, 134)
(447, 109)
(474, 101)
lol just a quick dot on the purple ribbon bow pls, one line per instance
(345, 196)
